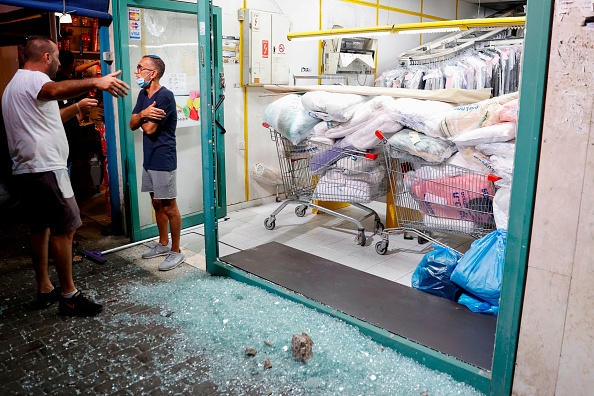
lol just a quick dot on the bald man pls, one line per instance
(38, 148)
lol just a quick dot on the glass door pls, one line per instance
(170, 32)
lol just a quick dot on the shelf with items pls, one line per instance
(81, 36)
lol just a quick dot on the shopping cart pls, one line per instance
(313, 171)
(438, 198)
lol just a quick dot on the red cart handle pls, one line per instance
(379, 135)
(265, 125)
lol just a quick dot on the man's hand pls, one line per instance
(153, 113)
(87, 104)
(113, 85)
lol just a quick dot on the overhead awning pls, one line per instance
(88, 8)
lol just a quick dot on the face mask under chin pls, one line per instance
(142, 83)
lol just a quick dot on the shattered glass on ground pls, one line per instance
(218, 318)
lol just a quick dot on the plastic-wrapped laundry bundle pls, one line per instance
(287, 116)
(503, 167)
(368, 118)
(501, 207)
(430, 149)
(490, 134)
(318, 133)
(336, 186)
(365, 138)
(502, 149)
(326, 156)
(462, 197)
(369, 174)
(473, 116)
(420, 115)
(509, 111)
(332, 106)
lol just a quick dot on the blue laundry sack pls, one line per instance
(480, 271)
(476, 305)
(433, 273)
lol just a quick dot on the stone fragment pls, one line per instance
(267, 364)
(302, 347)
(250, 351)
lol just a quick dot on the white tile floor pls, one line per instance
(322, 235)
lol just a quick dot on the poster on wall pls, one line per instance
(188, 109)
(175, 82)
(231, 49)
(134, 23)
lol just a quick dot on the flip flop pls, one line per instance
(77, 259)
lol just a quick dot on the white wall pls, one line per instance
(305, 16)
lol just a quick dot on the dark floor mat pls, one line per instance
(432, 321)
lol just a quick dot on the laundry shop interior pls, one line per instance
(360, 157)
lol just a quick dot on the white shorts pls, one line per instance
(161, 183)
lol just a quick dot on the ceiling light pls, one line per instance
(64, 18)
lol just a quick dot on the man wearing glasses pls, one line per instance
(39, 150)
(155, 112)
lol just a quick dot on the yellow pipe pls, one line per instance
(246, 173)
(462, 24)
(376, 50)
(320, 46)
(421, 35)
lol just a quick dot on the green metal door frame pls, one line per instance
(532, 101)
(131, 193)
(499, 380)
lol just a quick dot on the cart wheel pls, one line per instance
(278, 199)
(300, 210)
(421, 240)
(361, 238)
(381, 247)
(379, 227)
(269, 223)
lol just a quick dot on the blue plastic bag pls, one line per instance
(433, 273)
(480, 271)
(476, 305)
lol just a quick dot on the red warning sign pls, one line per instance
(281, 48)
(264, 48)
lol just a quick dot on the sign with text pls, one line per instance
(264, 48)
(134, 25)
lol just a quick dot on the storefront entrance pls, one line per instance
(170, 31)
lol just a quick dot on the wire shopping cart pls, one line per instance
(430, 197)
(313, 171)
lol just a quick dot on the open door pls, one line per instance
(169, 32)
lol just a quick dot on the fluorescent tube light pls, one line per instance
(422, 31)
(411, 28)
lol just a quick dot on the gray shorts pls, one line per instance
(161, 183)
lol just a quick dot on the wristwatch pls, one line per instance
(145, 120)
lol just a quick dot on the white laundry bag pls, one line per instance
(266, 174)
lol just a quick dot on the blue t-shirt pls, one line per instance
(159, 147)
